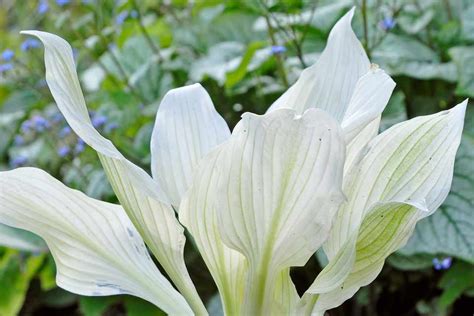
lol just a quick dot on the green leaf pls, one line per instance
(16, 273)
(95, 306)
(47, 275)
(450, 231)
(395, 112)
(410, 263)
(455, 282)
(139, 307)
(403, 55)
(142, 67)
(467, 23)
(220, 59)
(235, 76)
(162, 31)
(463, 57)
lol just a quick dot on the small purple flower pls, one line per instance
(26, 126)
(5, 67)
(18, 140)
(446, 263)
(442, 264)
(40, 123)
(110, 127)
(18, 161)
(80, 146)
(99, 120)
(8, 55)
(65, 131)
(387, 23)
(121, 17)
(57, 117)
(62, 2)
(63, 151)
(29, 43)
(134, 14)
(43, 7)
(277, 49)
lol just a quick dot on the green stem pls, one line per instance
(366, 28)
(280, 65)
(147, 36)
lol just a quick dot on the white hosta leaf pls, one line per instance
(279, 186)
(450, 231)
(384, 230)
(410, 162)
(330, 82)
(406, 170)
(357, 144)
(142, 198)
(187, 127)
(96, 248)
(285, 296)
(20, 239)
(371, 95)
(198, 214)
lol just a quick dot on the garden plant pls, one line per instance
(315, 173)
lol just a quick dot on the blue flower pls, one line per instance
(29, 43)
(387, 23)
(134, 14)
(26, 126)
(57, 117)
(18, 140)
(121, 17)
(110, 127)
(7, 55)
(80, 146)
(62, 2)
(18, 161)
(65, 131)
(5, 67)
(40, 123)
(63, 151)
(277, 49)
(43, 7)
(442, 264)
(99, 120)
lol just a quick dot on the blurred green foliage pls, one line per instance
(245, 53)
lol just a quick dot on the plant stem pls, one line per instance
(366, 28)
(145, 33)
(280, 65)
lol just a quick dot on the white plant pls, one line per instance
(310, 173)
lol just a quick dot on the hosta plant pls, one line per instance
(311, 172)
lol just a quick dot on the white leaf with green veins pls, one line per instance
(96, 248)
(330, 82)
(143, 199)
(279, 186)
(404, 175)
(187, 127)
(199, 214)
(450, 231)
